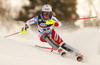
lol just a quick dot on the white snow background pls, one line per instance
(20, 49)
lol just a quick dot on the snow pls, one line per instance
(21, 50)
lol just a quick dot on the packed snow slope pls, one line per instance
(20, 49)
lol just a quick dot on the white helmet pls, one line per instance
(46, 8)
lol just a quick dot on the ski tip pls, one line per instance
(35, 45)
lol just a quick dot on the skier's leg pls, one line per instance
(54, 44)
(51, 41)
(46, 38)
(62, 44)
(56, 37)
(70, 49)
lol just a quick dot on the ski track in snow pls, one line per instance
(17, 50)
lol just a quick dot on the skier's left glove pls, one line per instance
(50, 22)
(24, 29)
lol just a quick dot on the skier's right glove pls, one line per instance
(24, 29)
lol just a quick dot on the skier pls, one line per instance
(45, 22)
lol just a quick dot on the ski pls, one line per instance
(79, 58)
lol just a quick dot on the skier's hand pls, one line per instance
(50, 22)
(24, 29)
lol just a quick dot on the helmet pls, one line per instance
(46, 8)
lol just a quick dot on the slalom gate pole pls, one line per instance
(82, 18)
(45, 47)
(12, 34)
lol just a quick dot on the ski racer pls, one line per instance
(45, 22)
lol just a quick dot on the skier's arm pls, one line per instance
(58, 23)
(28, 23)
(31, 21)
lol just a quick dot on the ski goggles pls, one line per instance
(46, 13)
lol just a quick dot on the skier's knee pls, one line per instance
(42, 38)
(45, 36)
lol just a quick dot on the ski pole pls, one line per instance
(82, 18)
(12, 34)
(45, 47)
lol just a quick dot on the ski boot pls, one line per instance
(72, 50)
(80, 58)
(61, 52)
(67, 47)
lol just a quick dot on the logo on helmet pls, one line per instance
(47, 8)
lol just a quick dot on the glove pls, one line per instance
(24, 29)
(50, 22)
